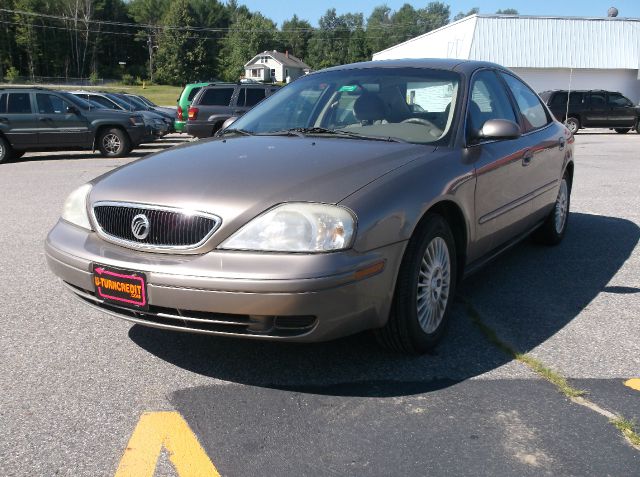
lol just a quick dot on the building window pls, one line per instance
(273, 74)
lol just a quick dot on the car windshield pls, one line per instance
(136, 101)
(408, 104)
(122, 102)
(147, 101)
(75, 100)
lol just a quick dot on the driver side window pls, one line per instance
(489, 100)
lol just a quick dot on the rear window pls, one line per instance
(216, 97)
(18, 103)
(193, 93)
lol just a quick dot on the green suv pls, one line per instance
(184, 101)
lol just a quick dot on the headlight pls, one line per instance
(75, 207)
(296, 227)
(137, 120)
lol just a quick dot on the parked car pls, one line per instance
(137, 104)
(38, 119)
(331, 207)
(165, 110)
(156, 125)
(184, 101)
(593, 109)
(214, 104)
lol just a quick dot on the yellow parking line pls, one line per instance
(156, 430)
(633, 383)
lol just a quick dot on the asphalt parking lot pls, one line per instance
(84, 394)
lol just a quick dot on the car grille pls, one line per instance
(167, 228)
(205, 322)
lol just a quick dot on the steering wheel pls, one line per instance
(434, 130)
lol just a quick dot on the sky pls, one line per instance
(280, 10)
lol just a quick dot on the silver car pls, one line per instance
(354, 198)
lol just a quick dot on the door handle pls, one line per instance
(527, 157)
(561, 143)
(4, 120)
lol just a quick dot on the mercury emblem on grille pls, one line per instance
(140, 226)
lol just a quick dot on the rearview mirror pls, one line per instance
(499, 129)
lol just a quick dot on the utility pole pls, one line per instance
(150, 45)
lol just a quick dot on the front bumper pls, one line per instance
(137, 134)
(293, 297)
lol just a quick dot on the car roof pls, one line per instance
(463, 66)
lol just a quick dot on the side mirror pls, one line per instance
(499, 129)
(72, 110)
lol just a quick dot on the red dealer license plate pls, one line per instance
(120, 287)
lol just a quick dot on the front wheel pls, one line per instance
(424, 290)
(114, 142)
(554, 227)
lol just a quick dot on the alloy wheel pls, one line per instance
(561, 209)
(111, 143)
(433, 285)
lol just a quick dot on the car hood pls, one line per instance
(238, 178)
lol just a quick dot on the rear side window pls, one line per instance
(534, 116)
(3, 103)
(251, 96)
(216, 97)
(598, 99)
(559, 99)
(193, 93)
(18, 103)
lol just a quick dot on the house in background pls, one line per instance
(547, 52)
(273, 66)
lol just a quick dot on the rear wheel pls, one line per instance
(114, 142)
(573, 124)
(554, 227)
(424, 290)
(622, 130)
(6, 151)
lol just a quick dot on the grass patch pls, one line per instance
(532, 363)
(162, 95)
(626, 427)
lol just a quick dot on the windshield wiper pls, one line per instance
(335, 132)
(243, 132)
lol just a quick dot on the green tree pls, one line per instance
(248, 36)
(181, 56)
(378, 28)
(462, 15)
(150, 14)
(295, 36)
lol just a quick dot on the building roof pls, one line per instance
(285, 59)
(530, 42)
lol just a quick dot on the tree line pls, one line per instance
(179, 41)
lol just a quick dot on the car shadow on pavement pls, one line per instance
(530, 293)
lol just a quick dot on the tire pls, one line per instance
(114, 142)
(573, 124)
(622, 130)
(6, 151)
(429, 265)
(555, 226)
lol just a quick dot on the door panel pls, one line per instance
(18, 121)
(59, 126)
(502, 186)
(622, 113)
(597, 113)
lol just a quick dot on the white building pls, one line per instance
(603, 53)
(275, 66)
